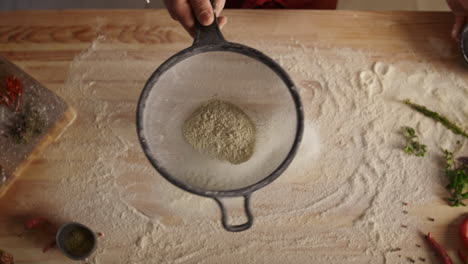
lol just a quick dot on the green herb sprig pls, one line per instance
(456, 171)
(437, 117)
(413, 147)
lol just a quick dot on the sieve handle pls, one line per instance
(236, 228)
(205, 35)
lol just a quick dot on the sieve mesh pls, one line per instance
(228, 76)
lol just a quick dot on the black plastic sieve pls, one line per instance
(464, 43)
(213, 68)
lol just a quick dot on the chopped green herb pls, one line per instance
(457, 174)
(437, 117)
(413, 147)
(26, 125)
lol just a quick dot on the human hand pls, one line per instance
(460, 10)
(185, 11)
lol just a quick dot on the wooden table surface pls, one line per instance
(44, 43)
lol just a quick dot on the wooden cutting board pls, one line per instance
(53, 116)
(45, 43)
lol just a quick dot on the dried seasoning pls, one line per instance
(78, 242)
(222, 130)
(6, 258)
(26, 125)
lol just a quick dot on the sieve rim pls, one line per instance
(224, 47)
(464, 43)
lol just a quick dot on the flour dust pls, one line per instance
(340, 200)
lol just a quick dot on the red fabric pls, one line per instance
(287, 4)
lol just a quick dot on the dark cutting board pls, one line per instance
(55, 113)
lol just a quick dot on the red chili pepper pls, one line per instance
(462, 257)
(49, 246)
(4, 99)
(13, 93)
(464, 232)
(443, 256)
(6, 258)
(35, 222)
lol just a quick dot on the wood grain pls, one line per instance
(44, 43)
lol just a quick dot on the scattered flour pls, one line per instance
(338, 202)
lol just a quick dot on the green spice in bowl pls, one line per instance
(76, 241)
